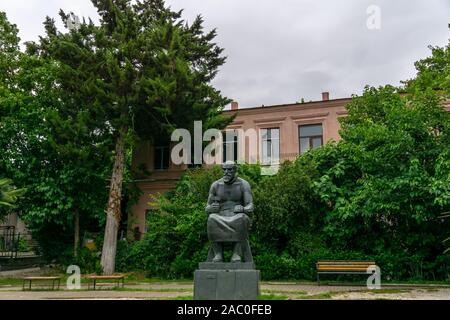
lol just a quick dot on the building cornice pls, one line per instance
(310, 115)
(289, 107)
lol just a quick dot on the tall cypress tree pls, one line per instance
(47, 148)
(139, 74)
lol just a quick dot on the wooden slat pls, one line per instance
(343, 269)
(346, 265)
(341, 272)
(342, 265)
(106, 277)
(345, 262)
(42, 278)
(360, 266)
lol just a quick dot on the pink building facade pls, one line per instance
(281, 132)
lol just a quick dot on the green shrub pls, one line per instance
(375, 195)
(88, 261)
(22, 245)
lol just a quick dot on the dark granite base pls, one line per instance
(228, 284)
(226, 266)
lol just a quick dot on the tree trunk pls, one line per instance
(76, 225)
(108, 260)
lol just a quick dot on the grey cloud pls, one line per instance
(281, 51)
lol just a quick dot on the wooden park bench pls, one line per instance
(31, 279)
(118, 277)
(342, 267)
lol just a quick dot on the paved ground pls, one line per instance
(184, 290)
(415, 294)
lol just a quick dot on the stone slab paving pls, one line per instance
(89, 295)
(415, 294)
(176, 290)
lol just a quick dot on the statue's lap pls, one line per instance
(228, 228)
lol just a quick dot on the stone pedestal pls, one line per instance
(226, 281)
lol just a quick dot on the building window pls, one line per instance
(310, 137)
(270, 146)
(161, 157)
(230, 145)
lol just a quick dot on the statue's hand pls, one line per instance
(238, 209)
(215, 207)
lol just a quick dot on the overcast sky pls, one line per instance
(281, 51)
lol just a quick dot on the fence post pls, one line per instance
(16, 247)
(12, 244)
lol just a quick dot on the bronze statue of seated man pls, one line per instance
(230, 203)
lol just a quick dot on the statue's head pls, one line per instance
(229, 171)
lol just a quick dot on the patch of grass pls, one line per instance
(174, 298)
(140, 276)
(34, 289)
(152, 289)
(284, 291)
(320, 296)
(350, 282)
(10, 281)
(388, 291)
(416, 281)
(287, 282)
(272, 297)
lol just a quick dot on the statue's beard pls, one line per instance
(228, 178)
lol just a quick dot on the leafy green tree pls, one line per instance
(8, 193)
(433, 72)
(9, 47)
(64, 176)
(179, 223)
(138, 75)
(8, 54)
(378, 193)
(283, 206)
(387, 181)
(446, 215)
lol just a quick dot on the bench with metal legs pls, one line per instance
(31, 279)
(94, 279)
(342, 267)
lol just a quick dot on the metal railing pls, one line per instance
(9, 242)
